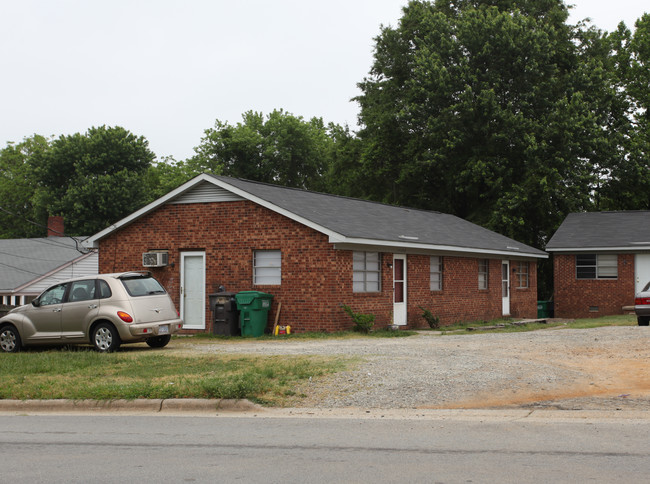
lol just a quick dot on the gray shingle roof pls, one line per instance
(24, 260)
(602, 230)
(361, 219)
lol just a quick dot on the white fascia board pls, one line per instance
(93, 240)
(639, 248)
(342, 241)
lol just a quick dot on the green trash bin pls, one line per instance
(254, 309)
(543, 309)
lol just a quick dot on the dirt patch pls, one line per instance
(607, 373)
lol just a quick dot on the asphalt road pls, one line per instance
(437, 447)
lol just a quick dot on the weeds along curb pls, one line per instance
(173, 405)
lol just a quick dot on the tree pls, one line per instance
(17, 213)
(280, 148)
(627, 186)
(490, 110)
(92, 179)
(166, 175)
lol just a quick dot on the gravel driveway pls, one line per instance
(604, 368)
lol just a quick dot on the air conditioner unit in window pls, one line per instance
(155, 259)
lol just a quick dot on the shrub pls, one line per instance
(362, 322)
(432, 321)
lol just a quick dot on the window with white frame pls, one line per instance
(435, 273)
(267, 267)
(596, 266)
(483, 273)
(366, 271)
(521, 275)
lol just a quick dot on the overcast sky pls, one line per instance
(167, 69)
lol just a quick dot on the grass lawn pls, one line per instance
(81, 373)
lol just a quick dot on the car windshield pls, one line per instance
(142, 286)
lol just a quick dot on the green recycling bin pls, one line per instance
(543, 309)
(254, 309)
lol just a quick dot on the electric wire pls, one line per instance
(78, 247)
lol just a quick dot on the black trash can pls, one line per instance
(225, 314)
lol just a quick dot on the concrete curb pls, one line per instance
(149, 406)
(245, 408)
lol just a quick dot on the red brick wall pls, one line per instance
(460, 298)
(573, 297)
(316, 279)
(523, 301)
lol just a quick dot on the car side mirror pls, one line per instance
(35, 303)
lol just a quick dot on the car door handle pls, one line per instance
(56, 310)
(92, 306)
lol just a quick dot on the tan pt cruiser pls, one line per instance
(104, 310)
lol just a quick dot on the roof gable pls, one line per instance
(628, 230)
(352, 221)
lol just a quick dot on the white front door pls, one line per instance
(193, 290)
(641, 271)
(505, 286)
(399, 289)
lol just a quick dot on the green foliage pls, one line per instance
(164, 176)
(92, 179)
(362, 322)
(486, 110)
(626, 185)
(17, 188)
(432, 321)
(280, 148)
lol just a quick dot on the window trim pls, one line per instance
(277, 278)
(365, 271)
(440, 269)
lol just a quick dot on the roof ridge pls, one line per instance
(345, 197)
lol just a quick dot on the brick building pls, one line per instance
(314, 252)
(600, 260)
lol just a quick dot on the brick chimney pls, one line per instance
(55, 226)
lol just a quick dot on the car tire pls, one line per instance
(159, 341)
(9, 339)
(105, 338)
(643, 320)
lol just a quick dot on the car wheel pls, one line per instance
(643, 320)
(159, 341)
(105, 338)
(9, 339)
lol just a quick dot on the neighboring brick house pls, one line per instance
(600, 260)
(314, 252)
